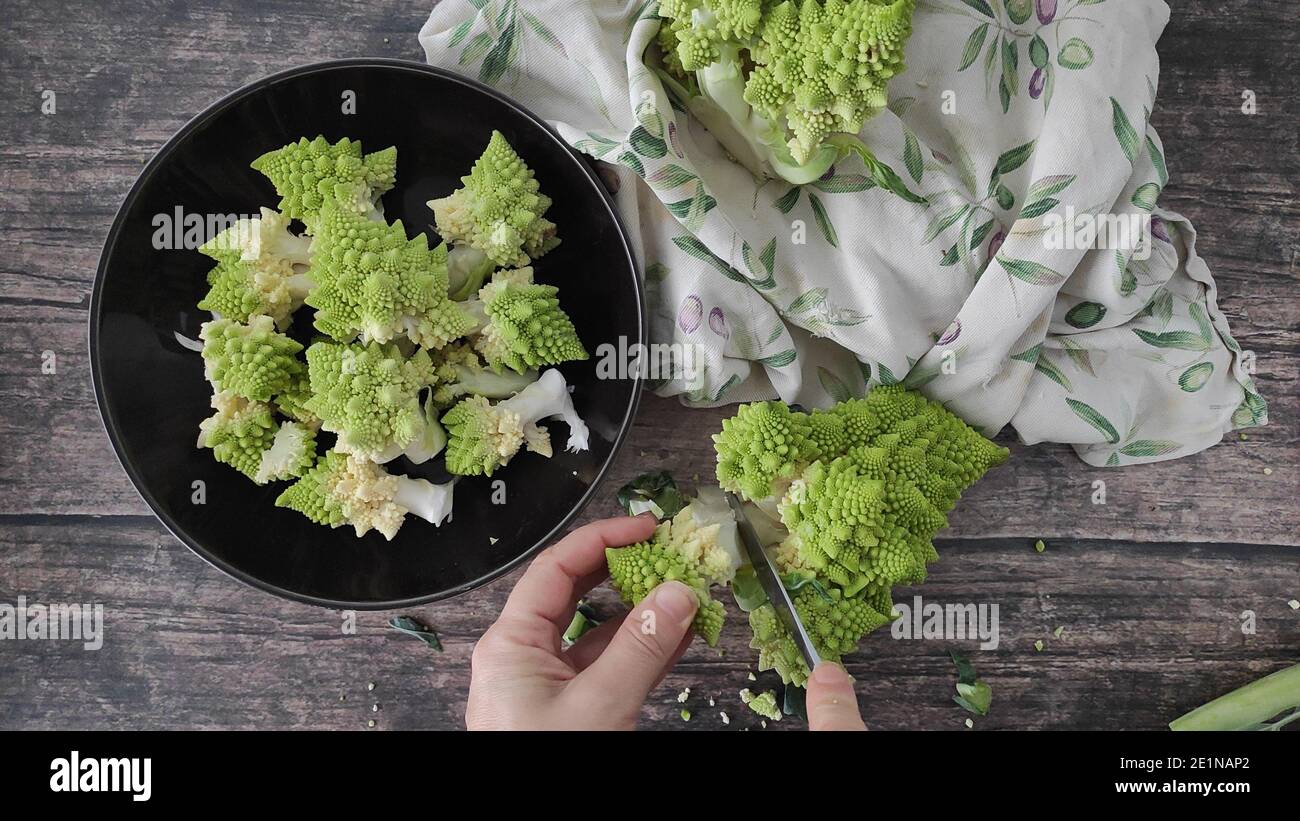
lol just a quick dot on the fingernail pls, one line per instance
(676, 600)
(829, 674)
(648, 515)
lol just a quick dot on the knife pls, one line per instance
(772, 586)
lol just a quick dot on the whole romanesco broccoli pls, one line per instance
(524, 327)
(253, 360)
(308, 174)
(369, 396)
(860, 489)
(499, 210)
(483, 436)
(375, 283)
(786, 87)
(344, 489)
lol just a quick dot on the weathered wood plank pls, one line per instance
(1149, 632)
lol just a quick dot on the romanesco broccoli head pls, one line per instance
(307, 174)
(482, 436)
(239, 433)
(368, 394)
(526, 328)
(376, 283)
(253, 360)
(637, 569)
(865, 485)
(776, 650)
(499, 210)
(763, 442)
(823, 66)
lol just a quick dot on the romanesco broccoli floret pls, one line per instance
(376, 284)
(239, 433)
(499, 210)
(307, 174)
(345, 489)
(776, 650)
(785, 87)
(763, 442)
(706, 537)
(292, 452)
(261, 269)
(264, 241)
(369, 396)
(253, 360)
(523, 326)
(637, 569)
(762, 703)
(460, 372)
(482, 436)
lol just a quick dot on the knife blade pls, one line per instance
(772, 586)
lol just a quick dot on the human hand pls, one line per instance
(831, 702)
(523, 679)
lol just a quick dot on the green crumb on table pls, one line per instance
(686, 715)
(1057, 632)
(1040, 546)
(1268, 471)
(1038, 645)
(1293, 604)
(764, 704)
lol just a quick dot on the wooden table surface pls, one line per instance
(1150, 587)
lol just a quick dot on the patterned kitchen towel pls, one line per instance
(1011, 115)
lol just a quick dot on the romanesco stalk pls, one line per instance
(483, 436)
(460, 372)
(499, 210)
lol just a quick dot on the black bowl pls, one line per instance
(152, 393)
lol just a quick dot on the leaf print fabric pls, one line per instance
(1011, 114)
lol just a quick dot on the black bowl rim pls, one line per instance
(114, 233)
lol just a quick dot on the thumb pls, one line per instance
(645, 646)
(831, 702)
